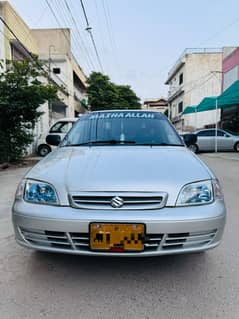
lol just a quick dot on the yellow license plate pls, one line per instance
(117, 237)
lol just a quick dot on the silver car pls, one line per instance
(226, 140)
(121, 183)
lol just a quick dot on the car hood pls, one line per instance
(120, 168)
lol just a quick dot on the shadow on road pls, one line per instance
(103, 269)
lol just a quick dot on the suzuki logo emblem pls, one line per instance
(117, 202)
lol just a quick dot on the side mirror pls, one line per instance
(53, 139)
(190, 139)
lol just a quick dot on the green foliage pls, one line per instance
(105, 95)
(21, 93)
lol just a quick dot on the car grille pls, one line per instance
(152, 242)
(128, 200)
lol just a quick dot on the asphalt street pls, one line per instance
(41, 285)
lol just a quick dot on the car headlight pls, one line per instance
(38, 192)
(196, 194)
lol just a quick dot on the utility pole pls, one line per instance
(216, 117)
(49, 81)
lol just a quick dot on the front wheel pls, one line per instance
(43, 150)
(236, 147)
(194, 148)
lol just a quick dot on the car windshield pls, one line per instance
(122, 128)
(230, 132)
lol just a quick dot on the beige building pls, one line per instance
(159, 105)
(54, 49)
(192, 78)
(18, 41)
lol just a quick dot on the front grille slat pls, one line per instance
(41, 240)
(43, 236)
(188, 240)
(130, 200)
(197, 242)
(152, 242)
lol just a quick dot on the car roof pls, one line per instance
(124, 110)
(68, 119)
(208, 129)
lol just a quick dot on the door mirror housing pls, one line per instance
(53, 139)
(190, 139)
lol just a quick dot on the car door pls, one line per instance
(225, 141)
(61, 128)
(205, 140)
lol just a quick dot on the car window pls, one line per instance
(231, 132)
(138, 127)
(61, 127)
(206, 133)
(221, 133)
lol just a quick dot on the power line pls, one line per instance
(89, 63)
(28, 53)
(89, 29)
(220, 31)
(28, 34)
(56, 18)
(109, 28)
(78, 32)
(62, 29)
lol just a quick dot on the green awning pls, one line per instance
(189, 109)
(230, 96)
(207, 104)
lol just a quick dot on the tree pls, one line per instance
(21, 94)
(105, 95)
(127, 99)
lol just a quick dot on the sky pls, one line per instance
(138, 41)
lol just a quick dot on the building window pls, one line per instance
(180, 107)
(56, 70)
(18, 52)
(181, 79)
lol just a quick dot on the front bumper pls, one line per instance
(169, 230)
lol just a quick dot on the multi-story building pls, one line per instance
(159, 105)
(195, 75)
(230, 74)
(18, 41)
(54, 49)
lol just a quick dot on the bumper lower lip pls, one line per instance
(113, 254)
(195, 222)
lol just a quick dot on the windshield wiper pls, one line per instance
(107, 142)
(159, 144)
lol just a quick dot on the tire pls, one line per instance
(236, 147)
(43, 150)
(194, 148)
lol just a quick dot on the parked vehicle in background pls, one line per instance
(226, 140)
(61, 127)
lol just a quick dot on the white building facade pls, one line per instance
(195, 75)
(53, 47)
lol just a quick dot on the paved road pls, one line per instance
(40, 285)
